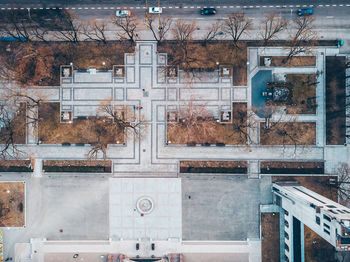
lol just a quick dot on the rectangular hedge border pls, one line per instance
(223, 167)
(77, 169)
(289, 167)
(15, 166)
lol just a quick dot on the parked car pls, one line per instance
(208, 11)
(155, 10)
(305, 12)
(122, 13)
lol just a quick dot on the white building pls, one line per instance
(325, 217)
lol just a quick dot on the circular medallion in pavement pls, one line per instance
(144, 205)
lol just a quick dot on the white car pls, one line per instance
(122, 13)
(155, 10)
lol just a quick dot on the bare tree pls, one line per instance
(182, 31)
(236, 25)
(164, 25)
(22, 27)
(95, 31)
(128, 27)
(302, 39)
(72, 28)
(213, 31)
(271, 26)
(195, 124)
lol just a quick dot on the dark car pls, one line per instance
(208, 11)
(305, 12)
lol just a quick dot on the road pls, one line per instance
(64, 3)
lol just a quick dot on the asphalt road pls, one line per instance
(48, 3)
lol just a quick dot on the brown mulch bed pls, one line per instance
(204, 57)
(12, 204)
(293, 62)
(319, 184)
(233, 167)
(15, 166)
(317, 249)
(335, 100)
(85, 131)
(270, 232)
(303, 94)
(43, 68)
(299, 133)
(79, 166)
(224, 133)
(19, 127)
(291, 167)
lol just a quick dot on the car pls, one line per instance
(155, 10)
(208, 11)
(305, 12)
(122, 13)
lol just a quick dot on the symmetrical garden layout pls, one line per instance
(277, 116)
(291, 127)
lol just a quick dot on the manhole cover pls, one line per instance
(144, 205)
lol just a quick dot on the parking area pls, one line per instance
(222, 207)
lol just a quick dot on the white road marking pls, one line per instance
(218, 7)
(177, 7)
(251, 6)
(192, 7)
(340, 5)
(111, 7)
(86, 8)
(237, 6)
(131, 7)
(185, 6)
(291, 6)
(92, 7)
(329, 17)
(73, 8)
(320, 5)
(98, 8)
(170, 7)
(199, 18)
(231, 6)
(264, 6)
(258, 6)
(80, 8)
(334, 5)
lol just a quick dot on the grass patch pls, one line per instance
(204, 56)
(12, 204)
(293, 62)
(230, 167)
(303, 94)
(335, 100)
(86, 131)
(291, 167)
(270, 232)
(288, 133)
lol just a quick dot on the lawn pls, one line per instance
(229, 133)
(12, 213)
(303, 94)
(335, 100)
(293, 62)
(90, 130)
(288, 133)
(270, 232)
(203, 56)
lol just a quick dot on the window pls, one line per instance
(312, 205)
(286, 258)
(333, 211)
(286, 235)
(286, 212)
(331, 206)
(340, 211)
(326, 226)
(326, 231)
(346, 211)
(327, 218)
(286, 223)
(286, 247)
(318, 221)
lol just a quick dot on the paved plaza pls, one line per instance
(190, 208)
(223, 207)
